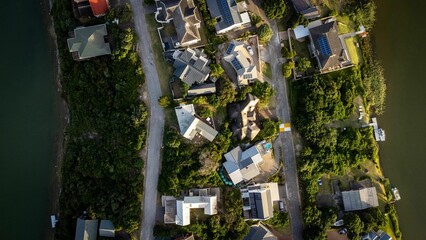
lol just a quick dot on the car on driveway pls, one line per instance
(250, 50)
(320, 182)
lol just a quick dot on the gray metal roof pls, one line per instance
(202, 89)
(191, 66)
(360, 199)
(89, 41)
(86, 229)
(260, 232)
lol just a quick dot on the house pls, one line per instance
(106, 229)
(190, 125)
(360, 199)
(86, 229)
(379, 235)
(185, 17)
(202, 89)
(177, 211)
(98, 7)
(241, 61)
(258, 201)
(88, 42)
(327, 48)
(260, 232)
(243, 165)
(305, 8)
(191, 66)
(227, 15)
(243, 115)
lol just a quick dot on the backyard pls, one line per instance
(354, 50)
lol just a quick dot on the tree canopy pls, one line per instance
(274, 8)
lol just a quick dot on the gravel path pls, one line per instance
(156, 122)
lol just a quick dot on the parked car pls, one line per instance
(343, 231)
(250, 50)
(320, 182)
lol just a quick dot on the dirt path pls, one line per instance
(155, 124)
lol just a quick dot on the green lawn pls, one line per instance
(354, 51)
(266, 70)
(164, 69)
(345, 25)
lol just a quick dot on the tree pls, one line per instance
(263, 91)
(165, 101)
(226, 93)
(274, 8)
(364, 14)
(264, 33)
(255, 19)
(287, 53)
(354, 225)
(279, 220)
(303, 64)
(216, 70)
(288, 68)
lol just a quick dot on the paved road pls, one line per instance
(288, 154)
(156, 123)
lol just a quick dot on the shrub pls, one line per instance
(274, 8)
(264, 33)
(165, 101)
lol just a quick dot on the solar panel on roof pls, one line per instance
(324, 46)
(247, 76)
(226, 11)
(237, 65)
(230, 48)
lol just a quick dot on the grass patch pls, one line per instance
(267, 70)
(301, 49)
(164, 69)
(345, 24)
(354, 51)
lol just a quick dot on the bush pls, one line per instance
(263, 91)
(165, 101)
(288, 69)
(255, 19)
(216, 70)
(274, 8)
(264, 33)
(303, 64)
(287, 53)
(279, 220)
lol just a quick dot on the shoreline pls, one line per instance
(61, 115)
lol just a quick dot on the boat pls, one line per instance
(338, 223)
(395, 193)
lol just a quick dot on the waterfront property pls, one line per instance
(177, 211)
(181, 18)
(191, 66)
(306, 9)
(379, 235)
(106, 229)
(227, 15)
(355, 200)
(97, 8)
(88, 42)
(327, 48)
(243, 114)
(240, 58)
(242, 166)
(86, 229)
(259, 200)
(191, 126)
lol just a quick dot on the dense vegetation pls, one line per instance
(274, 8)
(321, 100)
(101, 171)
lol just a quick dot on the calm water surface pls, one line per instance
(400, 35)
(27, 121)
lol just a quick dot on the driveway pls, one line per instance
(155, 124)
(286, 138)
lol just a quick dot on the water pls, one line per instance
(400, 34)
(27, 121)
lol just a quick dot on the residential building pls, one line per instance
(88, 42)
(379, 235)
(327, 48)
(190, 125)
(86, 229)
(258, 201)
(191, 66)
(106, 229)
(241, 61)
(227, 15)
(306, 9)
(243, 115)
(260, 232)
(185, 17)
(360, 199)
(243, 165)
(177, 211)
(98, 7)
(202, 89)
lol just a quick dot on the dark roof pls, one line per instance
(260, 232)
(328, 48)
(226, 10)
(261, 207)
(86, 229)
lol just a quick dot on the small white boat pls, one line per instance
(395, 193)
(338, 223)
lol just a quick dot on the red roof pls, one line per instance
(99, 7)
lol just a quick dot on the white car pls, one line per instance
(250, 50)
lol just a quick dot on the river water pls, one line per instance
(28, 121)
(400, 35)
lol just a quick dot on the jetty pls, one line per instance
(379, 134)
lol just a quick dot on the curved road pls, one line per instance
(156, 122)
(286, 138)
